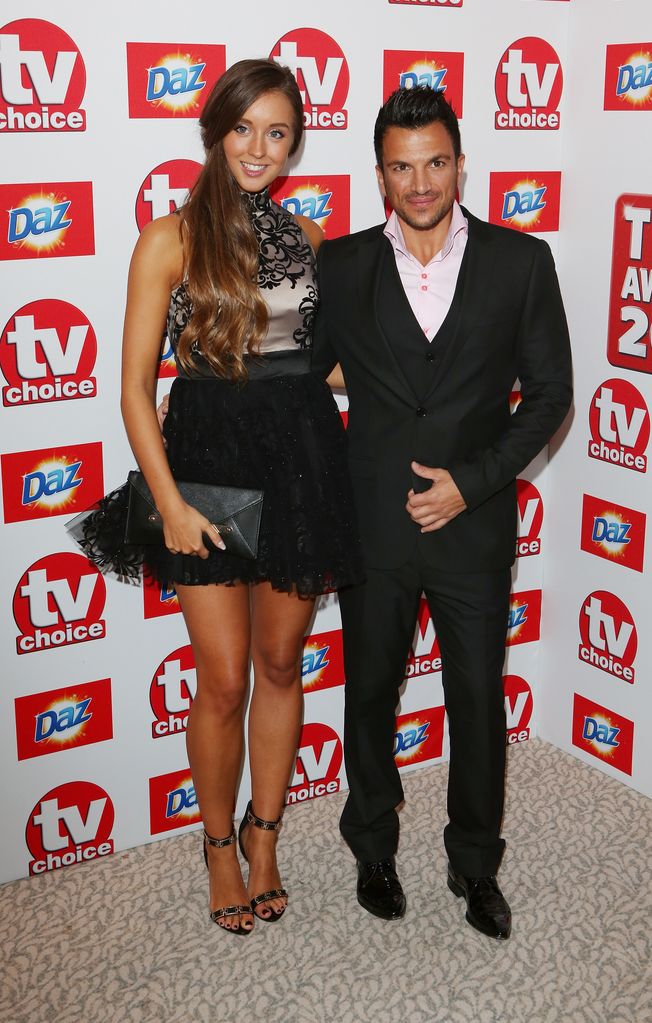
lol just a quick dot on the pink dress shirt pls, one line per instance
(430, 288)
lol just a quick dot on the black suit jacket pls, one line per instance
(512, 325)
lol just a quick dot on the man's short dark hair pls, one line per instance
(416, 108)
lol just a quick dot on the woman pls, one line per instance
(233, 275)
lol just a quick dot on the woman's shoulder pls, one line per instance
(312, 231)
(161, 243)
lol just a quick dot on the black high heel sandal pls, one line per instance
(274, 893)
(225, 911)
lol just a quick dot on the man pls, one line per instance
(432, 317)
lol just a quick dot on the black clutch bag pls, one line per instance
(235, 511)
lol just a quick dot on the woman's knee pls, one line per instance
(222, 694)
(277, 668)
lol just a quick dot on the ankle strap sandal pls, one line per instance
(225, 911)
(274, 893)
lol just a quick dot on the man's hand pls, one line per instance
(433, 508)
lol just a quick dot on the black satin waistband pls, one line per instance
(291, 363)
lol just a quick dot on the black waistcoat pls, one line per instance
(419, 358)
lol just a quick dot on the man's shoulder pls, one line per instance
(506, 238)
(349, 244)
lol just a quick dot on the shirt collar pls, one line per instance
(394, 232)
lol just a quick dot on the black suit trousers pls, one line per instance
(470, 615)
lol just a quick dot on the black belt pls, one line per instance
(293, 363)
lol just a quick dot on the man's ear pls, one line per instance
(381, 181)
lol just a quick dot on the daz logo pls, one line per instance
(318, 763)
(425, 656)
(63, 718)
(172, 691)
(613, 532)
(527, 201)
(47, 353)
(72, 823)
(53, 219)
(419, 737)
(603, 734)
(631, 285)
(59, 601)
(51, 481)
(159, 599)
(321, 71)
(529, 83)
(524, 621)
(620, 425)
(628, 77)
(322, 664)
(172, 80)
(165, 189)
(443, 72)
(608, 635)
(42, 78)
(326, 200)
(529, 519)
(518, 708)
(172, 802)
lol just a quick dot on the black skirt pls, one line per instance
(280, 432)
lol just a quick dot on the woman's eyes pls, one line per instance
(274, 133)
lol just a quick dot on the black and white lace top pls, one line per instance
(286, 277)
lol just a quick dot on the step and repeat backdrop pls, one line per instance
(100, 136)
(597, 658)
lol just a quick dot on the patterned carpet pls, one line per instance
(128, 940)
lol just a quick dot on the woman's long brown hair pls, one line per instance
(229, 315)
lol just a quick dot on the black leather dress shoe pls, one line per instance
(486, 906)
(379, 889)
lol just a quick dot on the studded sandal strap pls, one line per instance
(260, 823)
(225, 911)
(219, 843)
(274, 893)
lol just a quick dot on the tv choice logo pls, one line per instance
(42, 78)
(325, 199)
(70, 824)
(525, 200)
(619, 421)
(518, 708)
(630, 347)
(165, 189)
(440, 70)
(63, 719)
(59, 601)
(628, 77)
(529, 519)
(603, 733)
(425, 656)
(172, 79)
(613, 532)
(318, 764)
(172, 802)
(608, 636)
(419, 737)
(322, 662)
(51, 481)
(429, 3)
(322, 74)
(47, 353)
(524, 619)
(46, 220)
(159, 599)
(529, 85)
(171, 692)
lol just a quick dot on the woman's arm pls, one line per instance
(156, 266)
(335, 379)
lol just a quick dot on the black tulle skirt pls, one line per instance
(282, 434)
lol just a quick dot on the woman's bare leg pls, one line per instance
(279, 621)
(218, 622)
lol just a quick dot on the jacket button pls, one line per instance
(422, 412)
(430, 356)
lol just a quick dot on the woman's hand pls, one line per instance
(184, 528)
(162, 411)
